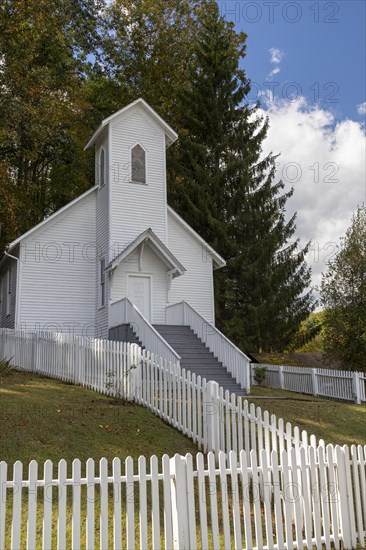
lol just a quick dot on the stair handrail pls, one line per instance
(233, 359)
(124, 311)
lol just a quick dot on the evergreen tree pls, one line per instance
(343, 293)
(222, 185)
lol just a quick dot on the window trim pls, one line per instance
(146, 170)
(102, 302)
(8, 292)
(102, 180)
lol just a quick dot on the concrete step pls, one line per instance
(196, 357)
(124, 333)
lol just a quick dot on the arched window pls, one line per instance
(102, 168)
(138, 164)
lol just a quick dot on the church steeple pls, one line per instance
(131, 158)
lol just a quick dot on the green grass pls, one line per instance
(334, 421)
(46, 419)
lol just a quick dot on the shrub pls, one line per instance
(260, 374)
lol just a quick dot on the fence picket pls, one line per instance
(103, 474)
(32, 505)
(213, 503)
(286, 457)
(155, 512)
(47, 505)
(90, 499)
(117, 512)
(3, 495)
(17, 505)
(224, 500)
(62, 503)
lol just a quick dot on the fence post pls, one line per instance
(344, 496)
(179, 500)
(315, 382)
(211, 417)
(132, 372)
(357, 387)
(281, 378)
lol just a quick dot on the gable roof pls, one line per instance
(148, 236)
(52, 217)
(171, 135)
(218, 261)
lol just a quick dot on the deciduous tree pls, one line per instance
(343, 293)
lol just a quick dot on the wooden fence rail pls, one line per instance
(214, 419)
(301, 494)
(337, 384)
(314, 498)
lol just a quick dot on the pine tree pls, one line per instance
(222, 185)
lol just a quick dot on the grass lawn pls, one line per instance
(46, 419)
(334, 421)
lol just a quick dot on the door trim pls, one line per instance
(147, 276)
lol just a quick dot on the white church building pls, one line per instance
(118, 254)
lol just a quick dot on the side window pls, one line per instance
(102, 168)
(8, 292)
(102, 283)
(138, 164)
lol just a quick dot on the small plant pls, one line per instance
(119, 387)
(260, 374)
(5, 367)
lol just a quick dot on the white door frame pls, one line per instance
(147, 276)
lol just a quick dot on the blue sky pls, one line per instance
(323, 45)
(312, 56)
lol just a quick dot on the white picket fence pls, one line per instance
(337, 384)
(314, 497)
(216, 421)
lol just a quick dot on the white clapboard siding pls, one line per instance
(57, 263)
(268, 503)
(102, 223)
(134, 206)
(336, 384)
(197, 282)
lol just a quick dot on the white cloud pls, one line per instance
(276, 58)
(361, 109)
(325, 163)
(276, 55)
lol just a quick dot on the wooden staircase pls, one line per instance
(196, 357)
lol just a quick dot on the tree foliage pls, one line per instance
(43, 48)
(66, 65)
(147, 52)
(343, 293)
